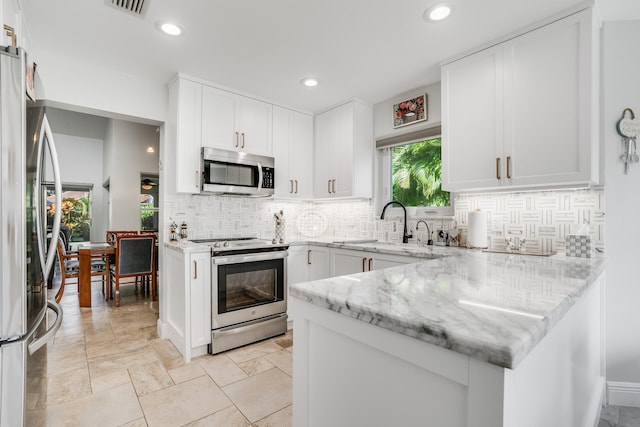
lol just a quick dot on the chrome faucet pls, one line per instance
(429, 240)
(405, 236)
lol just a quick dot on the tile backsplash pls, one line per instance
(543, 218)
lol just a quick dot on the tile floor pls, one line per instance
(619, 416)
(107, 367)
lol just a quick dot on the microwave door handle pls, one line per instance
(260, 177)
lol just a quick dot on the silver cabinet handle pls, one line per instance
(333, 186)
(370, 259)
(497, 167)
(290, 186)
(329, 186)
(237, 139)
(309, 256)
(195, 269)
(296, 186)
(242, 139)
(508, 167)
(364, 260)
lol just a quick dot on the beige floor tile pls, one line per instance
(105, 365)
(228, 417)
(115, 378)
(187, 372)
(70, 359)
(140, 422)
(222, 369)
(112, 407)
(282, 418)
(68, 386)
(167, 353)
(283, 360)
(252, 351)
(150, 377)
(117, 346)
(255, 366)
(183, 403)
(262, 394)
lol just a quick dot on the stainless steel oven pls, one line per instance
(249, 292)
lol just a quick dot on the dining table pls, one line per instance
(87, 251)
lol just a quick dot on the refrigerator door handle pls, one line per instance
(47, 262)
(46, 337)
(38, 343)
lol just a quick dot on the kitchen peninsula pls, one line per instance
(465, 339)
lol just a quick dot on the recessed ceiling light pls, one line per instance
(170, 28)
(438, 12)
(309, 82)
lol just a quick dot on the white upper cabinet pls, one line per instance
(184, 132)
(235, 122)
(523, 113)
(343, 151)
(293, 151)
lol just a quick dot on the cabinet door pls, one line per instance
(292, 150)
(189, 111)
(318, 263)
(282, 141)
(343, 151)
(472, 121)
(200, 277)
(547, 138)
(254, 125)
(301, 155)
(381, 261)
(345, 262)
(297, 267)
(326, 133)
(219, 119)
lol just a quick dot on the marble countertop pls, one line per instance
(491, 306)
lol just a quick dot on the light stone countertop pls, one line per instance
(491, 306)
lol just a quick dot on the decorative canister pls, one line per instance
(183, 231)
(173, 232)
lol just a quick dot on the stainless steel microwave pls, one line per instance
(237, 173)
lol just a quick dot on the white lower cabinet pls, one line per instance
(345, 261)
(188, 288)
(318, 263)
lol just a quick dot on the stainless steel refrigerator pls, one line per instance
(27, 254)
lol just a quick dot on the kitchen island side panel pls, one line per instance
(350, 372)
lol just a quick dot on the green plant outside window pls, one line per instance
(416, 174)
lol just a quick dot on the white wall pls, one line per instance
(72, 82)
(621, 89)
(125, 159)
(383, 112)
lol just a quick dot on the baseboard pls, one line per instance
(623, 394)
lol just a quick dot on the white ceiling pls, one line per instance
(367, 49)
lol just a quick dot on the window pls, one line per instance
(149, 211)
(416, 173)
(76, 211)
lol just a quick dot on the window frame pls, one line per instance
(384, 183)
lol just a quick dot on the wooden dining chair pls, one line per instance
(134, 258)
(70, 265)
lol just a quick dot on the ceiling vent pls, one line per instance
(132, 7)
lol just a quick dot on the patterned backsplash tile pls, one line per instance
(543, 218)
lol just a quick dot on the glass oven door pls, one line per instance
(248, 287)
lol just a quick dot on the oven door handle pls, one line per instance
(236, 259)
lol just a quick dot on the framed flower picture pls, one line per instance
(411, 111)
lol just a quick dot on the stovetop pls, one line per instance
(241, 245)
